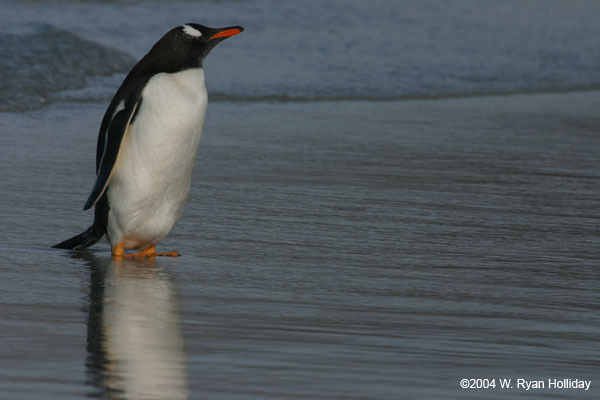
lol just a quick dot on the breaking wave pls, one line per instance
(36, 65)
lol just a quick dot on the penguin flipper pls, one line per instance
(114, 136)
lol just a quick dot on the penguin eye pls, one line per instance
(193, 32)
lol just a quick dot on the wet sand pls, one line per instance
(331, 250)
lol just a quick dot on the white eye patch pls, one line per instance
(192, 31)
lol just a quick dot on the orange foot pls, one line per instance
(118, 251)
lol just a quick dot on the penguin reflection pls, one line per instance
(135, 340)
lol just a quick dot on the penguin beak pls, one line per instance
(227, 32)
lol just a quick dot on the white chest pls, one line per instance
(151, 178)
(170, 119)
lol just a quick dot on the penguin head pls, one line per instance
(186, 46)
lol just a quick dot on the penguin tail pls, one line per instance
(86, 239)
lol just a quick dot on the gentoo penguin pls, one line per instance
(147, 144)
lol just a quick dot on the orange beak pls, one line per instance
(226, 33)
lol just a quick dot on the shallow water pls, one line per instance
(459, 239)
(330, 249)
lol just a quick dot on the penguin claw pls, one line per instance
(118, 251)
(169, 254)
(144, 255)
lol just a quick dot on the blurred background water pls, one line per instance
(338, 49)
(389, 196)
